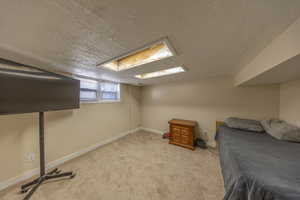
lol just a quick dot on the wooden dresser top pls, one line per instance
(183, 122)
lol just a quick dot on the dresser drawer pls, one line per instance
(186, 131)
(186, 141)
(176, 130)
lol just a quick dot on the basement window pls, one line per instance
(109, 91)
(150, 53)
(88, 90)
(164, 72)
(99, 91)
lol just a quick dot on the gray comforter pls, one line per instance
(256, 166)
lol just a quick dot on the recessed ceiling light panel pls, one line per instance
(153, 52)
(164, 72)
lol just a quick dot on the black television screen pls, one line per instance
(25, 89)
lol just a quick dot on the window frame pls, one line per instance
(99, 93)
(109, 100)
(88, 90)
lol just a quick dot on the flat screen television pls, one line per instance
(26, 89)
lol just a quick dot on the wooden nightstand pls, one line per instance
(182, 133)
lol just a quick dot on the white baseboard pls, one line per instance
(15, 180)
(152, 130)
(210, 143)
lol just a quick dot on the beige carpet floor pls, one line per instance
(141, 166)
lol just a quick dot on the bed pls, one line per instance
(256, 166)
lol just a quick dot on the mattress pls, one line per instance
(256, 166)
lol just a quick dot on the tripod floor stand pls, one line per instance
(32, 186)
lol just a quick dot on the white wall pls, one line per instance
(66, 132)
(206, 101)
(290, 102)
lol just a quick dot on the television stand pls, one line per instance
(54, 174)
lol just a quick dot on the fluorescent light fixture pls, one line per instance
(164, 72)
(153, 52)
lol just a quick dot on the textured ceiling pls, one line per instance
(211, 37)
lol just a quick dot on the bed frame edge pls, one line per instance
(219, 123)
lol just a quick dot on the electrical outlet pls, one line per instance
(30, 157)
